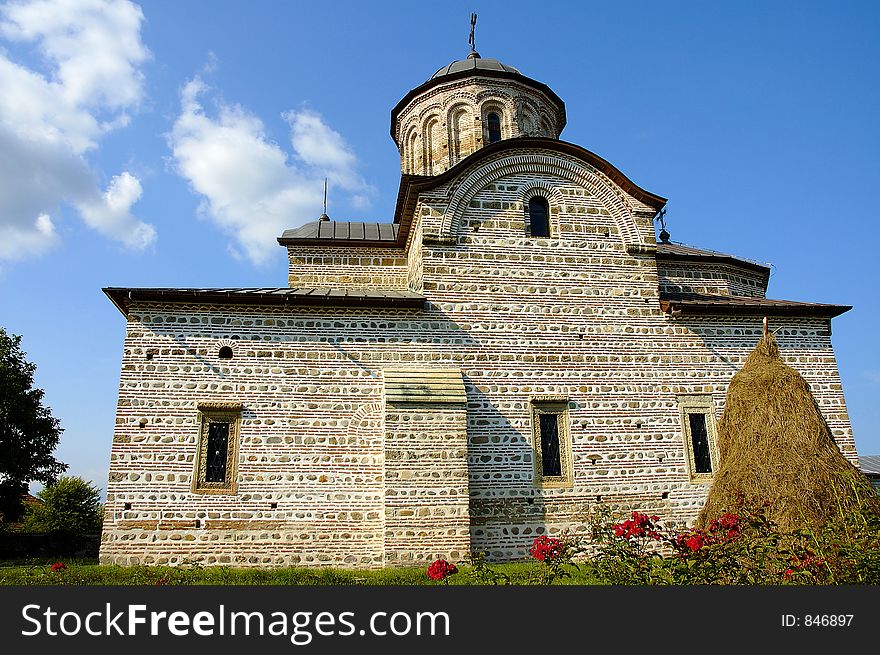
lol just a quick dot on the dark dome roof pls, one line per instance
(474, 63)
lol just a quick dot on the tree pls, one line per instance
(71, 506)
(28, 431)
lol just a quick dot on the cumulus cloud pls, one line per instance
(50, 120)
(249, 185)
(110, 213)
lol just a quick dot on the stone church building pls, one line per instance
(513, 348)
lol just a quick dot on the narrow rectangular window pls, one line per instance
(698, 431)
(551, 462)
(218, 448)
(700, 443)
(552, 442)
(215, 465)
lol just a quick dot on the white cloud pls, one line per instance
(250, 186)
(50, 120)
(16, 243)
(110, 213)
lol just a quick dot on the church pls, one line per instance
(514, 347)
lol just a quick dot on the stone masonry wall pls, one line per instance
(426, 484)
(446, 124)
(575, 315)
(713, 279)
(381, 268)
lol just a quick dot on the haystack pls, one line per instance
(774, 445)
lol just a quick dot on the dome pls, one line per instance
(474, 63)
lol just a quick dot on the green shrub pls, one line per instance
(69, 506)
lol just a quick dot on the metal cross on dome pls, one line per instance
(471, 40)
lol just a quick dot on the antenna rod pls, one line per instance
(324, 217)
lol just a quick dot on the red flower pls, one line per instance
(545, 549)
(441, 569)
(58, 566)
(788, 574)
(640, 525)
(694, 542)
(729, 523)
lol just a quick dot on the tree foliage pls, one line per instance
(70, 506)
(28, 431)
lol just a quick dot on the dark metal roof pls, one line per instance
(698, 303)
(323, 296)
(382, 233)
(870, 464)
(474, 65)
(678, 251)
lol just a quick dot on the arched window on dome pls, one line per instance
(539, 217)
(493, 124)
(411, 149)
(458, 133)
(430, 143)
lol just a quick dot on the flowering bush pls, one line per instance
(639, 525)
(441, 570)
(740, 547)
(58, 566)
(546, 548)
(556, 555)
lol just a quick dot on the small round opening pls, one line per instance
(225, 353)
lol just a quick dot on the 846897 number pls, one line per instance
(817, 620)
(827, 620)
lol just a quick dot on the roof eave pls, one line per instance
(118, 297)
(344, 243)
(805, 310)
(715, 259)
(123, 298)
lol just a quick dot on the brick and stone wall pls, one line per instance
(439, 128)
(323, 458)
(713, 279)
(381, 268)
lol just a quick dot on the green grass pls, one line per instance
(87, 572)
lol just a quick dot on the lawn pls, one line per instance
(88, 572)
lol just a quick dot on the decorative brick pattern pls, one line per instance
(717, 279)
(330, 472)
(447, 123)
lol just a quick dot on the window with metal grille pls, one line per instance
(700, 443)
(218, 450)
(493, 122)
(699, 433)
(551, 462)
(215, 467)
(552, 442)
(539, 217)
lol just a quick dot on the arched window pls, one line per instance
(493, 122)
(411, 153)
(539, 217)
(225, 353)
(457, 135)
(429, 143)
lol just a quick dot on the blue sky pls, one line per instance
(168, 143)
